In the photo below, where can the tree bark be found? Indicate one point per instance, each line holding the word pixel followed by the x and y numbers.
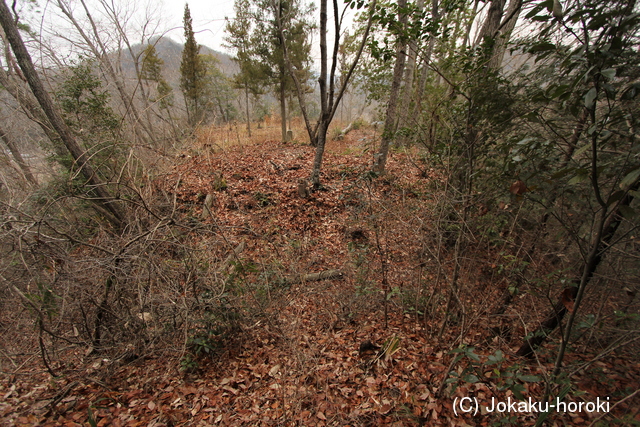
pixel 246 95
pixel 426 60
pixel 380 158
pixel 329 101
pixel 283 107
pixel 321 141
pixel 503 33
pixel 17 157
pixel 31 108
pixel 104 199
pixel 491 24
pixel 321 136
pixel 409 72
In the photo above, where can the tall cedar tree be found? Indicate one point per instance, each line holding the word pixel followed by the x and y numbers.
pixel 192 72
pixel 280 23
pixel 251 76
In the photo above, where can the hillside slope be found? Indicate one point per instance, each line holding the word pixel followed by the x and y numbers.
pixel 360 349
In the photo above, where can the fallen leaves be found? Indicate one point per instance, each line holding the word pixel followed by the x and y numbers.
pixel 307 360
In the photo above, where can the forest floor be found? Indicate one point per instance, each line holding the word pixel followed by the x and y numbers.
pixel 368 347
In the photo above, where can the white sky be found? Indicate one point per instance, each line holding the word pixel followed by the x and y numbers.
pixel 158 17
pixel 208 20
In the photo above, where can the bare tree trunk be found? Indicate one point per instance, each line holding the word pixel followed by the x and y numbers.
pixel 104 199
pixel 426 60
pixel 503 33
pixel 31 108
pixel 329 100
pixel 467 34
pixel 324 107
pixel 17 157
pixel 321 141
pixel 283 108
pixel 246 96
pixel 491 24
pixel 380 158
pixel 409 72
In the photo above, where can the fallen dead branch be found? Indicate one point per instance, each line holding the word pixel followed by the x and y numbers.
pixel 313 277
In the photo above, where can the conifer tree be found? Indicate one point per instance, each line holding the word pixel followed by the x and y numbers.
pixel 293 17
pixel 152 72
pixel 192 72
pixel 252 75
pixel 255 35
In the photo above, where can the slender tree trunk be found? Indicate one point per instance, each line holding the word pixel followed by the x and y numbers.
pixel 283 107
pixel 31 108
pixel 246 96
pixel 317 160
pixel 467 33
pixel 503 33
pixel 380 158
pixel 17 157
pixel 104 199
pixel 409 73
pixel 426 60
pixel 491 24
pixel 328 102
pixel 321 136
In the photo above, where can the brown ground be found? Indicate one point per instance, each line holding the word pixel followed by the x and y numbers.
pixel 362 350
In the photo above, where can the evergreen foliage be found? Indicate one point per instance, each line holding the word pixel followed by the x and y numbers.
pixel 152 72
pixel 87 112
pixel 255 36
pixel 192 73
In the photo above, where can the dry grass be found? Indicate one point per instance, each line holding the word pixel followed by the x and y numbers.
pixel 223 137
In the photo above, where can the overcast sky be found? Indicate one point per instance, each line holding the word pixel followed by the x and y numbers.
pixel 157 17
pixel 208 20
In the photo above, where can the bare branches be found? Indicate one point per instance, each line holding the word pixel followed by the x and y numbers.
pixel 26 64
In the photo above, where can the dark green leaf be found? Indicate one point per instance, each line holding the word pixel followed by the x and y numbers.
pixel 630 179
pixel 615 197
pixel 561 173
pixel 581 176
pixel 581 150
pixel 609 73
pixel 471 378
pixel 529 378
pixel 559 91
pixel 628 212
pixel 472 355
pixel 590 97
pixel 542 47
pixel 537 9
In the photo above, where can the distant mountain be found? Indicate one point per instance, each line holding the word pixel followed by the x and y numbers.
pixel 170 52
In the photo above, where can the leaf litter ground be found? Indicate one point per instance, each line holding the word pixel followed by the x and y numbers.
pixel 299 361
